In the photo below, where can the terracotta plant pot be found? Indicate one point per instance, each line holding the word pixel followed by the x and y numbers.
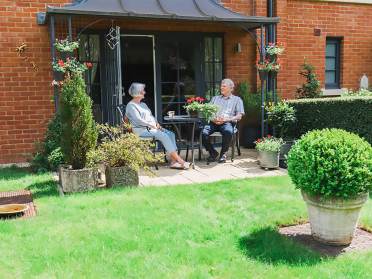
pixel 333 221
pixel 121 176
pixel 268 159
pixel 77 180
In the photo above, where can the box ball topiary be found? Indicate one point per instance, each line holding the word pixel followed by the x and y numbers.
pixel 331 163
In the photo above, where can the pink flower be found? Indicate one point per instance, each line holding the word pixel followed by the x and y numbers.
pixel 61 63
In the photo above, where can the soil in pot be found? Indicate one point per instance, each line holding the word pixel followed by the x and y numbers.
pixel 333 221
pixel 121 176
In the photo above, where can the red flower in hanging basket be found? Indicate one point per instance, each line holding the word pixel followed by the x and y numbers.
pixel 61 63
pixel 89 65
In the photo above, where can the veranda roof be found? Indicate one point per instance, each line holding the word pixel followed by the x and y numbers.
pixel 188 10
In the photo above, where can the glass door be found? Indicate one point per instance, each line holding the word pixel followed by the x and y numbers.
pixel 179 73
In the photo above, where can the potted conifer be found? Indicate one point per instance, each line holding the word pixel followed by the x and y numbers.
pixel 79 134
pixel 333 170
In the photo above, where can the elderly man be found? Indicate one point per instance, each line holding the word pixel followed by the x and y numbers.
pixel 230 111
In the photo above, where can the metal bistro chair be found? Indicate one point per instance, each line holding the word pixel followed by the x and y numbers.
pixel 234 142
pixel 124 118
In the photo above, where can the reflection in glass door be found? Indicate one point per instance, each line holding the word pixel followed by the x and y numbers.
pixel 178 74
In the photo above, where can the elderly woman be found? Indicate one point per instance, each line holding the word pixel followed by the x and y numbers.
pixel 230 110
pixel 145 125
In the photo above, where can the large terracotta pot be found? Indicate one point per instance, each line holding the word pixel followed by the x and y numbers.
pixel 121 176
pixel 268 159
pixel 77 180
pixel 333 221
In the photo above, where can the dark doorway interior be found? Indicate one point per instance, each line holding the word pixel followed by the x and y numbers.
pixel 138 66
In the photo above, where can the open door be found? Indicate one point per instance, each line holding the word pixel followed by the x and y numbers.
pixel 113 92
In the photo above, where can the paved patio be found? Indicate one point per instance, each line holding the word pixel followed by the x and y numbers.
pixel 244 166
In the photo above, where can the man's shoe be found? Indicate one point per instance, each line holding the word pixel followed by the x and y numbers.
pixel 212 157
pixel 222 159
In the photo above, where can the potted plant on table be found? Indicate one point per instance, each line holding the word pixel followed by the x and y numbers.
pixel 123 156
pixel 78 130
pixel 281 116
pixel 268 151
pixel 197 107
pixel 333 170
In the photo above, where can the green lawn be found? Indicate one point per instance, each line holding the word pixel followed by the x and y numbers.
pixel 219 230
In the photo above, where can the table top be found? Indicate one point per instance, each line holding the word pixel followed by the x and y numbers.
pixel 182 118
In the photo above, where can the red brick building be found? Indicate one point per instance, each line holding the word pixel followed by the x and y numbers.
pixel 175 56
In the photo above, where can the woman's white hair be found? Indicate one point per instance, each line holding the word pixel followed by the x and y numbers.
pixel 136 88
pixel 229 83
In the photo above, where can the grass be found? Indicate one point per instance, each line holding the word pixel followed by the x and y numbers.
pixel 220 230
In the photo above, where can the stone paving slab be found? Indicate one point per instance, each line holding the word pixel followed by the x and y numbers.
pixel 243 167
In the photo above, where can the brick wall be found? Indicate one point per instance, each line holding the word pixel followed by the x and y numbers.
pixel 336 19
pixel 25 94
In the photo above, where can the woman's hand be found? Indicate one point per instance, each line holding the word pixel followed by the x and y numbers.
pixel 158 126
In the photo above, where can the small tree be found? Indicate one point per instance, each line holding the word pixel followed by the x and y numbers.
pixel 79 133
pixel 311 88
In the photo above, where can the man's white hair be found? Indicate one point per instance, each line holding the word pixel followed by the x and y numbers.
pixel 136 88
pixel 229 83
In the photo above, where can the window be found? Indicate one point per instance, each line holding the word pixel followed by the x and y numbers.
pixel 332 65
pixel 90 52
pixel 213 65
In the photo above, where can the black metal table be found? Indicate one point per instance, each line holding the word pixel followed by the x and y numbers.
pixel 184 120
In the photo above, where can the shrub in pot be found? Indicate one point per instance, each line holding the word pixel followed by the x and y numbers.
pixel 78 130
pixel 333 170
pixel 281 116
pixel 268 151
pixel 123 156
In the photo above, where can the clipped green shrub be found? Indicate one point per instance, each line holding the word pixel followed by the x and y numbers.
pixel 79 133
pixel 353 114
pixel 331 163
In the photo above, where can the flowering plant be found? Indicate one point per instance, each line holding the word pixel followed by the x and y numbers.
pixel 66 45
pixel 275 49
pixel 70 65
pixel 269 143
pixel 196 104
pixel 268 66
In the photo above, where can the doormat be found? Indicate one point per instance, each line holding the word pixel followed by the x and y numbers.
pixel 22 197
pixel 302 234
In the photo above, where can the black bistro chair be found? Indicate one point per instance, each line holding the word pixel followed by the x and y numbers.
pixel 234 142
pixel 121 109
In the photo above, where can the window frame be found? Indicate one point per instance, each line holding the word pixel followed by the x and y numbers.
pixel 337 42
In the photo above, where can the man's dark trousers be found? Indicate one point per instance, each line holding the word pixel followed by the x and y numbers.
pixel 227 131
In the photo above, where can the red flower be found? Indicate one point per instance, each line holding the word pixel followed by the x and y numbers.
pixel 268 136
pixel 258 140
pixel 61 63
pixel 89 65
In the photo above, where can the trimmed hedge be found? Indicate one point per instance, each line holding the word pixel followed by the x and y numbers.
pixel 353 114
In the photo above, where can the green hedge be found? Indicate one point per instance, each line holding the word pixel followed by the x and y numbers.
pixel 353 114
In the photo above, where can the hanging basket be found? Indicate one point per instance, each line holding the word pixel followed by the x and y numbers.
pixel 263 75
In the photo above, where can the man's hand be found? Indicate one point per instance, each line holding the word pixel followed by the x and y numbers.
pixel 218 121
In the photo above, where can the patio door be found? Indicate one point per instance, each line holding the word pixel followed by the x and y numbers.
pixel 180 71
pixel 138 65
pixel 112 92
